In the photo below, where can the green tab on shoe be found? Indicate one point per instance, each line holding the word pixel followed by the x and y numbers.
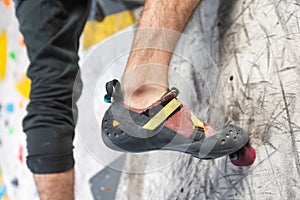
pixel 107 98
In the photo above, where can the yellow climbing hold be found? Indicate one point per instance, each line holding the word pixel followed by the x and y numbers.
pixel 95 32
pixel 23 87
pixel 3 54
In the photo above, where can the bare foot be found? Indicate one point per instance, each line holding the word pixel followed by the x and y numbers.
pixel 144 96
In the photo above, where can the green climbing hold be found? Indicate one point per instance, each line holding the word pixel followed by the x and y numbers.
pixel 12 55
pixel 11 131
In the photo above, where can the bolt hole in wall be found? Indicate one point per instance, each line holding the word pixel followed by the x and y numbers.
pixel 230 78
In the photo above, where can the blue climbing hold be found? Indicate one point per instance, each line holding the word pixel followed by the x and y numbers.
pixel 10 108
pixel 2 191
pixel 15 182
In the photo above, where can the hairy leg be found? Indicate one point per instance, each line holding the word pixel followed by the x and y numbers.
pixel 58 186
pixel 145 78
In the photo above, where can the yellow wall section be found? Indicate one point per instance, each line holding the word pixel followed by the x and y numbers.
pixel 95 32
pixel 23 87
pixel 3 54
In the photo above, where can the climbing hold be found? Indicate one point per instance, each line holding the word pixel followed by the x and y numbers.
pixel 10 108
pixel 2 191
pixel 6 2
pixel 20 154
pixel 12 55
pixel 21 41
pixel 21 104
pixel 23 86
pixel 11 130
pixel 6 122
pixel 3 54
pixel 15 182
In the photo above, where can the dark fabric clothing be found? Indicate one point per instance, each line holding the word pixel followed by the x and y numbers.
pixel 51 30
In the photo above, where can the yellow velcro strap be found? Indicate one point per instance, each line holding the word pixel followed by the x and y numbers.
pixel 163 114
pixel 197 122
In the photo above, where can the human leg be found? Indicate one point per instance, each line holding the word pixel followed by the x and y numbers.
pixel 51 32
pixel 145 115
pixel 160 26
pixel 55 185
pixel 145 79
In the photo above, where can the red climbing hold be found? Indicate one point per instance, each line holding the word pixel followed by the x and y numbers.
pixel 244 157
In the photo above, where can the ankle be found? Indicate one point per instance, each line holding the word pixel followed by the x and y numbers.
pixel 143 96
